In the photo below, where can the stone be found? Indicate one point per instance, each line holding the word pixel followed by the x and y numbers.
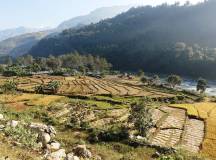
pixel 82 151
pixel 13 123
pixel 54 146
pixel 1 117
pixel 58 155
pixel 2 127
pixel 38 127
pixel 70 156
pixel 97 157
pixel 51 130
pixel 45 138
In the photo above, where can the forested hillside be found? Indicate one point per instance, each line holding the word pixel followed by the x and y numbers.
pixel 164 39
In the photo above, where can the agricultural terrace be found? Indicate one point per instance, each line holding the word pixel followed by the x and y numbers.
pixel 207 112
pixel 173 127
pixel 85 86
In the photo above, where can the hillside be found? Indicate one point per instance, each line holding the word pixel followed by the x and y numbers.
pixel 21 44
pixel 147 38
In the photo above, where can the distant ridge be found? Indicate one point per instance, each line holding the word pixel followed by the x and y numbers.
pixel 16 42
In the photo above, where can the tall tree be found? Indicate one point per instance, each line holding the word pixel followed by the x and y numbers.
pixel 174 80
pixel 201 85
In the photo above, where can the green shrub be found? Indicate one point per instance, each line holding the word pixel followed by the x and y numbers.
pixel 114 134
pixel 141 117
pixel 10 86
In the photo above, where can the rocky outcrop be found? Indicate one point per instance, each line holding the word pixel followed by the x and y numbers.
pixel 46 138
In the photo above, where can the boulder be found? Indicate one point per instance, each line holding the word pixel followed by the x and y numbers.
pixel 58 155
pixel 51 130
pixel 70 156
pixel 82 151
pixel 13 123
pixel 45 138
pixel 2 127
pixel 53 146
pixel 38 127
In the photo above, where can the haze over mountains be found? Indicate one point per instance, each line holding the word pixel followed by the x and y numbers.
pixel 8 33
pixel 16 42
pixel 93 17
pixel 147 38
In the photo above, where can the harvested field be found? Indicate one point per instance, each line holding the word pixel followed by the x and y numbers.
pixel 207 112
pixel 175 129
pixel 29 99
pixel 86 86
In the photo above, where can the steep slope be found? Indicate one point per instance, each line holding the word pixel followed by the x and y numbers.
pixel 93 17
pixel 146 38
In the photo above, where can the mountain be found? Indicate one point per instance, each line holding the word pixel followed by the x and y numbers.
pixel 8 33
pixel 21 41
pixel 93 17
pixel 164 39
pixel 21 44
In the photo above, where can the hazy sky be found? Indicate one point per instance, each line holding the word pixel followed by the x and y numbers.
pixel 49 13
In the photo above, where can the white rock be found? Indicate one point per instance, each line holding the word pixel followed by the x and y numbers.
pixel 45 138
pixel 38 127
pixel 13 123
pixel 70 156
pixel 75 158
pixel 2 127
pixel 140 138
pixel 58 155
pixel 1 117
pixel 54 146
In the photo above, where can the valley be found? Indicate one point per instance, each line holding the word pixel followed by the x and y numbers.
pixel 105 105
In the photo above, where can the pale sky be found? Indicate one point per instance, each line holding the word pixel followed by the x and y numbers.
pixel 49 13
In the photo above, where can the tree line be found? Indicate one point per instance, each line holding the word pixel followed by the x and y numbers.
pixel 68 63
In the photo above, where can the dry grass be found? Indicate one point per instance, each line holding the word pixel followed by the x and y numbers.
pixel 206 111
pixel 87 86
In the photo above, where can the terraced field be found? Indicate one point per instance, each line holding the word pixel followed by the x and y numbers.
pixel 207 112
pixel 86 86
pixel 173 129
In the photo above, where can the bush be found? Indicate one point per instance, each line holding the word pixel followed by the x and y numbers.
pixel 116 133
pixel 50 88
pixel 141 117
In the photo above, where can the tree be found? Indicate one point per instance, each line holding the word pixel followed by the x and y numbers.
pixel 2 68
pixel 54 63
pixel 8 61
pixel 201 85
pixel 28 60
pixel 155 80
pixel 144 79
pixel 174 80
pixel 141 117
pixel 140 73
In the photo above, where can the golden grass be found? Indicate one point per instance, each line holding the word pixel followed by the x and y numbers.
pixel 46 100
pixel 191 110
pixel 31 99
pixel 206 111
